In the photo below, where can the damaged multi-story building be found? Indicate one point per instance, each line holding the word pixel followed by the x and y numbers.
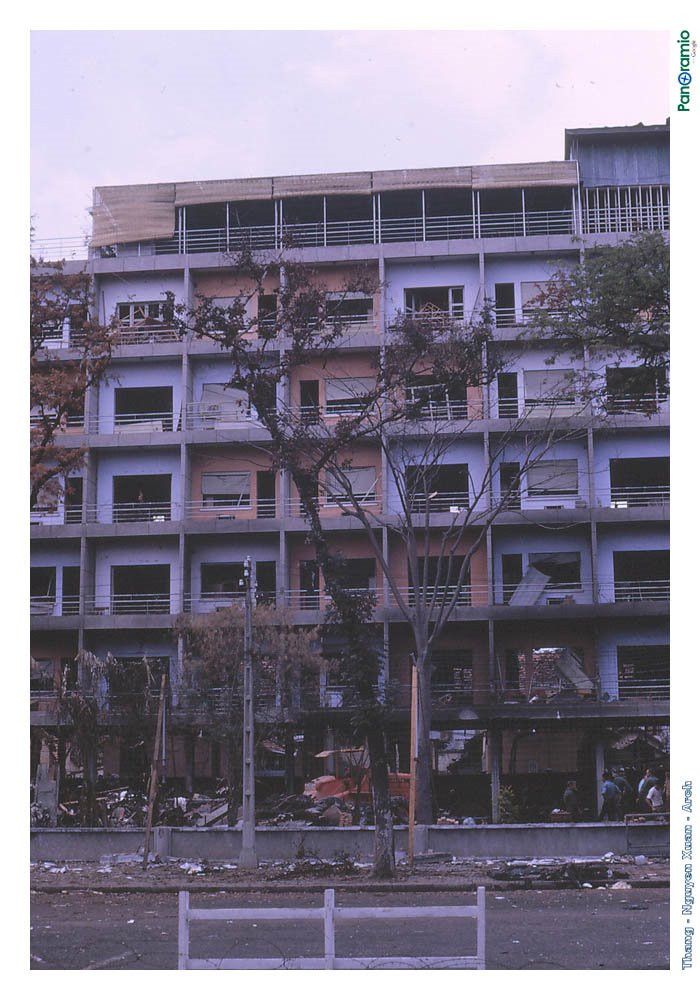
pixel 534 683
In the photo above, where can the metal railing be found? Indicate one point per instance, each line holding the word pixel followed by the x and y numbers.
pixel 508 317
pixel 622 497
pixel 639 590
pixel 60 248
pixel 147 334
pixel 54 606
pixel 218 416
pixel 644 404
pixel 207 602
pixel 625 219
pixel 134 423
pixel 70 423
pixel 128 604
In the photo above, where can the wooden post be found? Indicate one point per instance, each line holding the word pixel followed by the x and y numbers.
pixel 153 782
pixel 414 762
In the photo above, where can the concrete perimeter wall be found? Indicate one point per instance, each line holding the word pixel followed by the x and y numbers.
pixel 545 840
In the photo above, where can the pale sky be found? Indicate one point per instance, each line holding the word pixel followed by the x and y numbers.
pixel 145 106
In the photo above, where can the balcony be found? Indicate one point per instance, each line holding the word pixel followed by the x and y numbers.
pixel 639 590
pixel 128 604
pixel 54 606
pixel 624 497
pixel 219 416
pixel 160 422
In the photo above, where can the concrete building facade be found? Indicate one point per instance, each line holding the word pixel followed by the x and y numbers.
pixel 177 489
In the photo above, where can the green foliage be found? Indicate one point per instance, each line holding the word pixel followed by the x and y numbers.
pixel 614 303
pixel 508 809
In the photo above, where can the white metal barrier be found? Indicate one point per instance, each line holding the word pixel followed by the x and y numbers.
pixel 332 915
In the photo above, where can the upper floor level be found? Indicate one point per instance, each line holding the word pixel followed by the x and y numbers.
pixel 612 180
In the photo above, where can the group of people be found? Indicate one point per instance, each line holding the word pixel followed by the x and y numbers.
pixel 619 797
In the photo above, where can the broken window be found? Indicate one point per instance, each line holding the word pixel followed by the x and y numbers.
pixel 643 671
pixel 452 677
pixel 435 302
pixel 141 314
pixel 140 590
pixel 504 303
pixel 512 568
pixel 638 482
pixel 41 675
pixel 222 579
pixel 266 504
pixel 436 401
pixel 562 568
pixel 308 584
pixel 345 484
pixel 508 395
pixel 509 474
pixel 267 314
pixel 437 488
pixel 553 479
pixel 70 603
pixel 441 579
pixel 360 574
pixel 641 576
pixel 348 395
pixel 548 391
pixel 309 401
pixel 73 500
pixel 141 498
pixel 144 409
pixel 350 307
pixel 225 490
pixel 137 674
pixel 635 390
pixel 42 588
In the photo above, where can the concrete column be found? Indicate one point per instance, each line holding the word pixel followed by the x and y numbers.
pixel 599 767
pixel 495 743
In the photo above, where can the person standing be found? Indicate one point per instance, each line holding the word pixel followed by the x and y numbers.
pixel 643 789
pixel 655 797
pixel 626 803
pixel 611 798
pixel 570 799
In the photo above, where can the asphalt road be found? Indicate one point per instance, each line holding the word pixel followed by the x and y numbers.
pixel 548 929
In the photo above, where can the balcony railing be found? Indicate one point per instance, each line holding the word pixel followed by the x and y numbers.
pixel 146 334
pixel 134 423
pixel 128 604
pixel 642 590
pixel 207 602
pixel 622 497
pixel 218 416
pixel 66 605
pixel 646 404
pixel 626 219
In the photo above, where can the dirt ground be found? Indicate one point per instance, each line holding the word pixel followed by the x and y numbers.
pixel 125 873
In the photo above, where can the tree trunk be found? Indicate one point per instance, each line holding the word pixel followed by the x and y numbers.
pixel 424 792
pixel 384 862
pixel 289 749
pixel 189 763
pixel 88 811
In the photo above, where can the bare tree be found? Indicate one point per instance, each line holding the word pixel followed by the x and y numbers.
pixel 284 659
pixel 427 387
pixel 61 316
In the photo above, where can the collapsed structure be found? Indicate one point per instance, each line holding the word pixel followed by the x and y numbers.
pixel 558 645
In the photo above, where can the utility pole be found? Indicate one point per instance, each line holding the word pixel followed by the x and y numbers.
pixel 414 763
pixel 248 857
